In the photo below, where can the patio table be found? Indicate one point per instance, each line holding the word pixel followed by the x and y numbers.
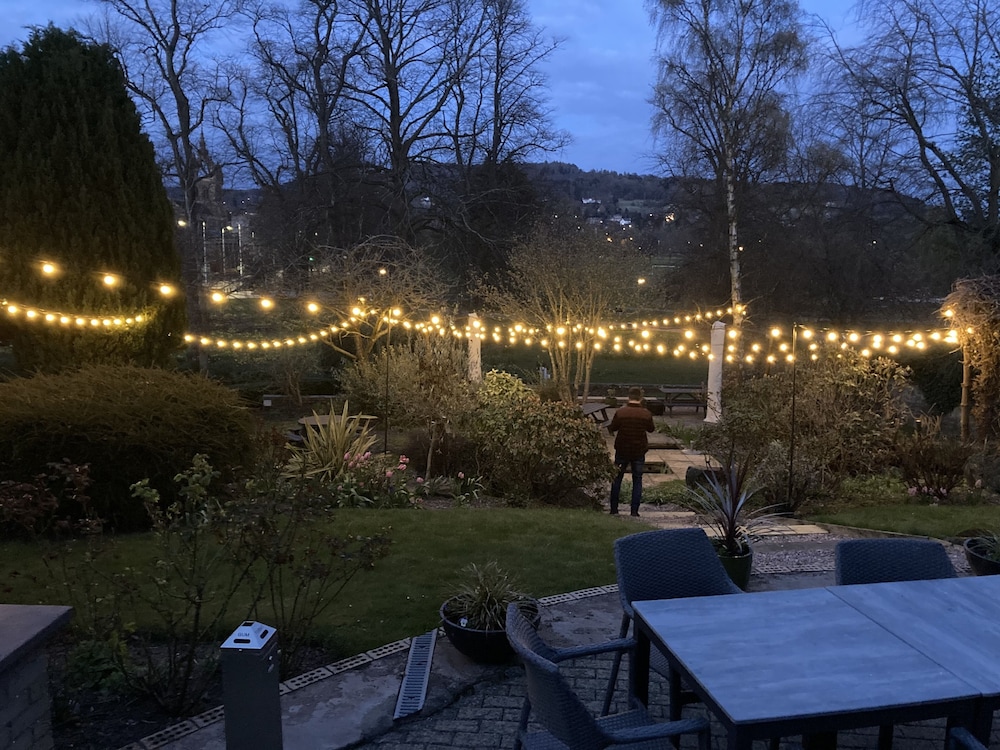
pixel 781 663
pixel 955 621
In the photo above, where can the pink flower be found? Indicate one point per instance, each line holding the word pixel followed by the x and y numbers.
pixel 403 460
pixel 420 480
pixel 367 455
pixel 388 473
pixel 401 467
pixel 461 475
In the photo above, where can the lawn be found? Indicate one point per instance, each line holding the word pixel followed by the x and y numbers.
pixel 549 551
pixel 937 521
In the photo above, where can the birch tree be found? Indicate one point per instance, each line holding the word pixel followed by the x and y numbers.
pixel 720 98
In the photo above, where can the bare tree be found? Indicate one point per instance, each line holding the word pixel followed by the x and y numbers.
pixel 499 112
pixel 929 69
pixel 565 283
pixel 403 80
pixel 289 122
pixel 164 48
pixel 371 288
pixel 724 66
pixel 497 119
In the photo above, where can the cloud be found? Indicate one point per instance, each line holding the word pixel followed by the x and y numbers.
pixel 600 79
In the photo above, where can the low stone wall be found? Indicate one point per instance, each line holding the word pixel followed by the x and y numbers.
pixel 25 708
pixel 25 705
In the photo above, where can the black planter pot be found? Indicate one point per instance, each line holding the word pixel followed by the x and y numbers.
pixel 738 567
pixel 486 646
pixel 980 564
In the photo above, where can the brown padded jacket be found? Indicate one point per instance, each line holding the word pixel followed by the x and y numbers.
pixel 630 425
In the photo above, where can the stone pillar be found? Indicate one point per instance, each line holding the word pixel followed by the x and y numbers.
pixel 713 403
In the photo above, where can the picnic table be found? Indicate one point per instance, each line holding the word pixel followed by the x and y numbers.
pixel 813 661
pixel 597 411
pixel 684 395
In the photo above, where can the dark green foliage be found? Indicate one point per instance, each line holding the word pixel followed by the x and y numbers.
pixel 52 504
pixel 939 378
pixel 932 464
pixel 531 448
pixel 80 188
pixel 982 470
pixel 128 423
pixel 848 411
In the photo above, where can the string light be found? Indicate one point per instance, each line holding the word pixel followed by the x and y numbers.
pixel 654 334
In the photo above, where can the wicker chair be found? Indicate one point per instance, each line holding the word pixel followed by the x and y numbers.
pixel 567 722
pixel 885 560
pixel 665 564
pixel 533 641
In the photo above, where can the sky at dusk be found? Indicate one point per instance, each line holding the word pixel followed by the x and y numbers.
pixel 600 78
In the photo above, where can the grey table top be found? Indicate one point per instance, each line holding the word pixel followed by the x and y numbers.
pixel 790 662
pixel 955 621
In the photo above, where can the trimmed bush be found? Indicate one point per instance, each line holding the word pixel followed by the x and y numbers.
pixel 535 448
pixel 128 423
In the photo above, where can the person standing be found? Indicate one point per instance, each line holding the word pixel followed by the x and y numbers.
pixel 629 425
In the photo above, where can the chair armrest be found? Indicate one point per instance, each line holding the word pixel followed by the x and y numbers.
pixel 619 644
pixel 960 737
pixel 657 731
pixel 734 589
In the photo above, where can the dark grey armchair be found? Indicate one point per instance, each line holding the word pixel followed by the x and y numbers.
pixel 567 722
pixel 665 564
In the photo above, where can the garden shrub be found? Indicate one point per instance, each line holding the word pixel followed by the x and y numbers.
pixel 771 475
pixel 931 464
pixel 450 453
pixel 534 448
pixel 427 382
pixel 848 412
pixel 128 423
pixel 327 448
pixel 263 547
pixel 982 470
pixel 938 375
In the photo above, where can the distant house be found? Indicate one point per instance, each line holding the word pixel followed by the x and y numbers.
pixel 589 201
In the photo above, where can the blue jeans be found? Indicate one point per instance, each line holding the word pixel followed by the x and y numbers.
pixel 635 465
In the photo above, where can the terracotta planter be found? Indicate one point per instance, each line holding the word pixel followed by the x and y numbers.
pixel 738 567
pixel 980 564
pixel 485 646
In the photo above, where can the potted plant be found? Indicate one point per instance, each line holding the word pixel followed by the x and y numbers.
pixel 474 616
pixel 983 553
pixel 721 496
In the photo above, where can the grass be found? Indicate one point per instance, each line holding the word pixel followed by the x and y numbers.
pixel 937 521
pixel 881 503
pixel 548 551
pixel 608 368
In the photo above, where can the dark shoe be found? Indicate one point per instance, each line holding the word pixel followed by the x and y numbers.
pixel 635 514
pixel 614 512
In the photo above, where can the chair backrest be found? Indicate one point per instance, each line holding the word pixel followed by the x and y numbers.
pixel 885 560
pixel 669 564
pixel 555 705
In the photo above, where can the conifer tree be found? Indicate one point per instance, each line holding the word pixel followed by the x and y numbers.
pixel 80 189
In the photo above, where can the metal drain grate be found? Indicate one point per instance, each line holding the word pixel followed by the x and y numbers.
pixel 413 689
